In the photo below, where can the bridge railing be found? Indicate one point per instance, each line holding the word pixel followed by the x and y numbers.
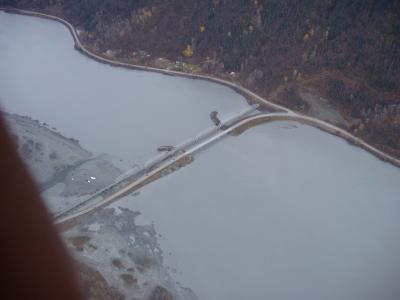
pixel 214 129
pixel 187 144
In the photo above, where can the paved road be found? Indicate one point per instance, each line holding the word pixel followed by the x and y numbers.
pixel 264 117
pixel 135 173
pixel 287 113
pixel 79 46
pixel 190 149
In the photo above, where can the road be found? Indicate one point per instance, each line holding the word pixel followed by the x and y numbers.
pixel 80 47
pixel 284 113
pixel 153 163
pixel 264 117
pixel 236 87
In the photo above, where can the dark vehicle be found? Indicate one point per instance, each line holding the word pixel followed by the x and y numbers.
pixel 214 118
pixel 165 148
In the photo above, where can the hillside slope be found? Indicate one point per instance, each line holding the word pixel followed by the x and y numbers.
pixel 344 52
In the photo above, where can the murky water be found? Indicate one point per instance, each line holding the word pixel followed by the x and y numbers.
pixel 284 211
pixel 110 110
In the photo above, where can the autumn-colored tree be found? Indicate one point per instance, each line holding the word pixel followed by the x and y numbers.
pixel 188 52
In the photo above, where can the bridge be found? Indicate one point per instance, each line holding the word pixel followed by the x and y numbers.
pixel 282 112
pixel 145 176
pixel 199 141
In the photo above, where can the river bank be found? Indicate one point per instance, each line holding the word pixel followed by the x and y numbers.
pixel 324 126
pixel 249 95
pixel 184 159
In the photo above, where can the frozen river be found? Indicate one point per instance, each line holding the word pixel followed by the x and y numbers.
pixel 282 212
pixel 109 110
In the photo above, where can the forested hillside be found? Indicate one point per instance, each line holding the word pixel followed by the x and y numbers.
pixel 346 52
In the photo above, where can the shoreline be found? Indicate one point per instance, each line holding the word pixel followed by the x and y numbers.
pixel 247 94
pixel 184 158
pixel 321 125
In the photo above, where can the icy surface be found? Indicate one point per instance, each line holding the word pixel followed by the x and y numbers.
pixel 283 211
